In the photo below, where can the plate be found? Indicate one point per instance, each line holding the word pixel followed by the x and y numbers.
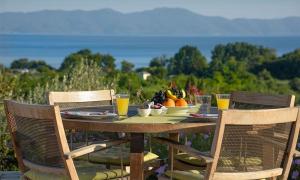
pixel 194 108
pixel 204 118
pixel 204 115
pixel 178 110
pixel 87 115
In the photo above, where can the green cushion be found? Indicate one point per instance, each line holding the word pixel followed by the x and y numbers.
pixel 113 156
pixel 36 175
pixel 249 161
pixel 85 170
pixel 184 175
pixel 184 157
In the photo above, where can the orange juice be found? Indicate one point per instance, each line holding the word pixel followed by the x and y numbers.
pixel 223 103
pixel 122 105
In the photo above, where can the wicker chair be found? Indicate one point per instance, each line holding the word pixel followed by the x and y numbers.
pixel 104 98
pixel 239 155
pixel 250 100
pixel 238 100
pixel 41 147
pixel 79 99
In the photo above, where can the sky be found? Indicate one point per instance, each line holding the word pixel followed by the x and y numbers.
pixel 226 8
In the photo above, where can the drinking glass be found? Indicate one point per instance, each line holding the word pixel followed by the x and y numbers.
pixel 122 101
pixel 204 103
pixel 223 101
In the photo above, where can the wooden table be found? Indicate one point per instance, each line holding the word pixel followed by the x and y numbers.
pixel 152 124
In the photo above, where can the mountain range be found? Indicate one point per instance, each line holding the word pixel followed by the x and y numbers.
pixel 156 22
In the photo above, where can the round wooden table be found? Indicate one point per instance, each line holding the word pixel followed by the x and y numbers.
pixel 137 127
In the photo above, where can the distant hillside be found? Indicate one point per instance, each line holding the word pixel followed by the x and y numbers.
pixel 161 21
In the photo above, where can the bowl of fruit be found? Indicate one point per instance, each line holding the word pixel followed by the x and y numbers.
pixel 144 110
pixel 173 100
pixel 158 109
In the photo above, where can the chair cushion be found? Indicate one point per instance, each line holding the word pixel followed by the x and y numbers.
pixel 184 175
pixel 186 158
pixel 85 170
pixel 112 156
pixel 249 161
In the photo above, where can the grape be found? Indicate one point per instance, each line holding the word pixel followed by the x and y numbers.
pixel 159 97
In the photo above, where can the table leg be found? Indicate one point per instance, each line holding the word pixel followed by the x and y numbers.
pixel 174 137
pixel 137 156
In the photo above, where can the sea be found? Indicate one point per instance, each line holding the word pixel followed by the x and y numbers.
pixel 138 50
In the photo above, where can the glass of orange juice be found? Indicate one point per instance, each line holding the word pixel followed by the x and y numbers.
pixel 122 101
pixel 223 101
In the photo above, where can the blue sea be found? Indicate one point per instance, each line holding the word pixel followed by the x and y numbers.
pixel 138 50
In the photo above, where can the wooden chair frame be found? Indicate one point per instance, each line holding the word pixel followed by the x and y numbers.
pixel 50 112
pixel 81 96
pixel 247 117
pixel 56 97
pixel 90 96
pixel 279 101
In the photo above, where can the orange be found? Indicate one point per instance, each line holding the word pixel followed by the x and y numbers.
pixel 181 102
pixel 169 103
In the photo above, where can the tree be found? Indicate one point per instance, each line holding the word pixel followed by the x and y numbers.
pixel 129 82
pixel 126 66
pixel 285 67
pixel 295 84
pixel 106 61
pixel 24 63
pixel 160 61
pixel 188 60
pixel 157 66
pixel 159 72
pixel 252 55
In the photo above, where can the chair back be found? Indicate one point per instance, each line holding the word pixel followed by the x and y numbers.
pixel 250 100
pixel 75 99
pixel 254 144
pixel 38 137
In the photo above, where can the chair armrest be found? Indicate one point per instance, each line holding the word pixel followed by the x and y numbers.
pixel 94 147
pixel 297 153
pixel 191 151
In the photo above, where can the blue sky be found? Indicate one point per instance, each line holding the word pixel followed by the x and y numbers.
pixel 225 8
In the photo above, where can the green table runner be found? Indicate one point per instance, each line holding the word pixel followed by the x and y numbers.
pixel 154 119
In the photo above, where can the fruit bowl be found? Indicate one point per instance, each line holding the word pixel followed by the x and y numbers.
pixel 194 108
pixel 156 112
pixel 144 112
pixel 178 110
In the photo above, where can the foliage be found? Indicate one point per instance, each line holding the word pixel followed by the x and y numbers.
pixel 188 60
pixel 126 66
pixel 285 67
pixel 160 61
pixel 26 64
pixel 251 55
pixel 32 88
pixel 106 61
pixel 234 66
pixel 295 84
